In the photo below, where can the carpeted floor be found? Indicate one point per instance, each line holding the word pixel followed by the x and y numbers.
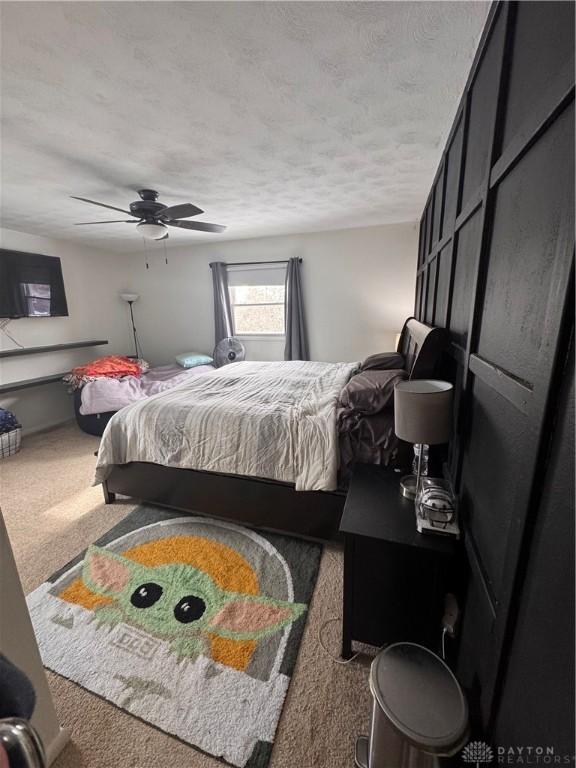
pixel 52 513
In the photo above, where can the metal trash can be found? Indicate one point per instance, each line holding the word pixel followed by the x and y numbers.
pixel 419 710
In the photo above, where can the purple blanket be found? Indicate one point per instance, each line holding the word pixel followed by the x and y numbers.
pixel 108 394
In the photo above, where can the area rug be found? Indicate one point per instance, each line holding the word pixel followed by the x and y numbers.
pixel 190 624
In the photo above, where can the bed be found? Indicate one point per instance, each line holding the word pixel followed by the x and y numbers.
pixel 261 437
pixel 96 401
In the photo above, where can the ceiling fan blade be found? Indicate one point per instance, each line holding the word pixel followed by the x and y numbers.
pixel 102 205
pixel 200 226
pixel 182 211
pixel 115 221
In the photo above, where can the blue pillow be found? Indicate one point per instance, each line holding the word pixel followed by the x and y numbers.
pixel 192 359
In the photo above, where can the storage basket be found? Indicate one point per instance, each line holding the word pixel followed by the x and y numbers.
pixel 10 442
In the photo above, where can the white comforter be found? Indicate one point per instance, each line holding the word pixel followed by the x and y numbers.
pixel 270 420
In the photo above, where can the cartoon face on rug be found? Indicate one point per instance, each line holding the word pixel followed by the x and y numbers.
pixel 179 603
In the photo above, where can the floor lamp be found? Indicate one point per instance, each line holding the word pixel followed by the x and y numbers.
pixel 130 298
pixel 423 416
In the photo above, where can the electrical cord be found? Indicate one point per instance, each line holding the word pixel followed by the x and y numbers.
pixel 326 651
pixel 332 558
pixel 343 662
pixel 3 326
pixel 335 659
pixel 444 631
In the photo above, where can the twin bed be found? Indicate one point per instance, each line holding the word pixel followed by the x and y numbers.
pixel 252 442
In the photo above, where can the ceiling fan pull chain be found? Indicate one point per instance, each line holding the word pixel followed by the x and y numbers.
pixel 165 252
pixel 146 254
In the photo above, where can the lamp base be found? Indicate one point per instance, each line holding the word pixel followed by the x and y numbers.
pixel 408 486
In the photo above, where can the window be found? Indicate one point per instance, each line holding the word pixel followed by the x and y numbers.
pixel 257 299
pixel 257 309
pixel 37 298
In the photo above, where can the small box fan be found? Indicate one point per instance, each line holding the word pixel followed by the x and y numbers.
pixel 229 350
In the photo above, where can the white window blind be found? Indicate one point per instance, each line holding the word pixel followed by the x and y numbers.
pixel 257 299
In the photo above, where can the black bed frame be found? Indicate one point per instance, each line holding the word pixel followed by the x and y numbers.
pixel 257 502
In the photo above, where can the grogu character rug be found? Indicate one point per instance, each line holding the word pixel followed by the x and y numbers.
pixel 190 624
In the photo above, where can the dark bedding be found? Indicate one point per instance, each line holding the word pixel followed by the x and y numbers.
pixel 383 361
pixel 365 419
pixel 369 392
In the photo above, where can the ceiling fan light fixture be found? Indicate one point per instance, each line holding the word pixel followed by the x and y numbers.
pixel 153 219
pixel 152 231
pixel 128 297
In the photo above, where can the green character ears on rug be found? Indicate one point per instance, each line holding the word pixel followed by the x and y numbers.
pixel 178 601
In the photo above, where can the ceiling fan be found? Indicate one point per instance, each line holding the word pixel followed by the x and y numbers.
pixel 152 218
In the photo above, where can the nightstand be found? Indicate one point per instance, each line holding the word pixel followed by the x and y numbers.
pixel 394 577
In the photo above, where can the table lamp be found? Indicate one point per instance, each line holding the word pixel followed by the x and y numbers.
pixel 423 416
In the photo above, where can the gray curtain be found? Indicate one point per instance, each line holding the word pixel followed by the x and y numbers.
pixel 296 337
pixel 223 324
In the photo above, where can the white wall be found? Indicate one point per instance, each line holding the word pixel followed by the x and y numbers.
pixel 358 290
pixel 92 280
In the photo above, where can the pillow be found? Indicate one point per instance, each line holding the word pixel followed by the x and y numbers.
pixel 370 392
pixel 192 359
pixel 383 361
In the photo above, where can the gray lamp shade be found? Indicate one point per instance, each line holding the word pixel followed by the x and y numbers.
pixel 423 411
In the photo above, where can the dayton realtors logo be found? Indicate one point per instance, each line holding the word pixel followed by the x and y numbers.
pixel 479 753
pixel 532 755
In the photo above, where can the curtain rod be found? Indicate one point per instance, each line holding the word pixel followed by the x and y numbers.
pixel 252 263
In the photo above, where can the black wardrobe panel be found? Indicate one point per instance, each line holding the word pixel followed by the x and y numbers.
pixel 465 255
pixel 497 459
pixel 421 241
pixel 437 222
pixel 443 286
pixel 429 226
pixel 474 661
pixel 452 175
pixel 430 290
pixel 423 298
pixel 541 667
pixel 543 49
pixel 418 296
pixel 533 227
pixel 482 111
pixel 455 375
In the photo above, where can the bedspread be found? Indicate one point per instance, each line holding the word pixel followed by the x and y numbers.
pixel 107 394
pixel 271 420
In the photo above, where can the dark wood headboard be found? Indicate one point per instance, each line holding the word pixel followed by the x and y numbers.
pixel 421 345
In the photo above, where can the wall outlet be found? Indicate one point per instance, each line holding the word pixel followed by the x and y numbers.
pixel 451 614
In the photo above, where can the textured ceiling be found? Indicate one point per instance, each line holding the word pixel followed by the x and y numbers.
pixel 273 117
